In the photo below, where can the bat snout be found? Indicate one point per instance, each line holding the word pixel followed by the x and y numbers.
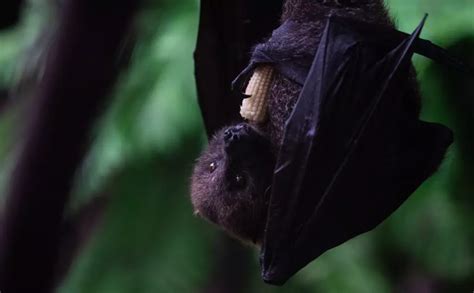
pixel 244 146
pixel 236 133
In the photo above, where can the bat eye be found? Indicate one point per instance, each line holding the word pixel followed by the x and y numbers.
pixel 239 181
pixel 212 167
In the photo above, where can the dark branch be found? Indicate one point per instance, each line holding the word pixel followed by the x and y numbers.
pixel 9 12
pixel 3 99
pixel 78 229
pixel 78 77
pixel 231 268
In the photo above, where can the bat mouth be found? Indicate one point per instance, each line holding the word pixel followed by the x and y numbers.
pixel 239 132
pixel 242 139
pixel 248 153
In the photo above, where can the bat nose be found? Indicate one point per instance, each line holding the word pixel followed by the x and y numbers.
pixel 235 133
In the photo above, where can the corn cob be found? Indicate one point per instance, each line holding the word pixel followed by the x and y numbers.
pixel 254 108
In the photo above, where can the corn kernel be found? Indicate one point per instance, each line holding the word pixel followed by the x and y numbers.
pixel 254 108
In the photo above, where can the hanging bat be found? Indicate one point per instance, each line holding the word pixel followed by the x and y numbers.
pixel 340 147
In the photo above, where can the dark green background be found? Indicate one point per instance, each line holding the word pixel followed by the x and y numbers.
pixel 145 145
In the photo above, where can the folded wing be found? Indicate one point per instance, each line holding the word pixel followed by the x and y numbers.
pixel 351 152
pixel 227 31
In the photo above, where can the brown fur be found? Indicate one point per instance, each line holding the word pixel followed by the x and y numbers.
pixel 243 212
pixel 238 208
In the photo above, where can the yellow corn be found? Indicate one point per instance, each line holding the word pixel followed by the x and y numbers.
pixel 254 108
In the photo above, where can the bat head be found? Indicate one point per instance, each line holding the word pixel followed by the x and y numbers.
pixel 231 179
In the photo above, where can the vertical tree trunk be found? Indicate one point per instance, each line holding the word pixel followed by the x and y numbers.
pixel 81 69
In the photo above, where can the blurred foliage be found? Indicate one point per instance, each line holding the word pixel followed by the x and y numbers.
pixel 145 144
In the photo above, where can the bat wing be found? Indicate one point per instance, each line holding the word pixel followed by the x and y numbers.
pixel 350 154
pixel 227 31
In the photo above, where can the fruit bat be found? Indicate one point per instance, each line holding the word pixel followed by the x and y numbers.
pixel 343 146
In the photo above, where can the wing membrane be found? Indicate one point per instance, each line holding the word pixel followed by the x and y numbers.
pixel 350 153
pixel 227 31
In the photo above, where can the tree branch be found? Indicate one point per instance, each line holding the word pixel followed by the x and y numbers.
pixel 78 76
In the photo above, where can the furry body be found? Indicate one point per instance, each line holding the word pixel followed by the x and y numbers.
pixel 242 211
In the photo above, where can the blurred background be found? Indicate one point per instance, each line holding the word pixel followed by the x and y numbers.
pixel 145 144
